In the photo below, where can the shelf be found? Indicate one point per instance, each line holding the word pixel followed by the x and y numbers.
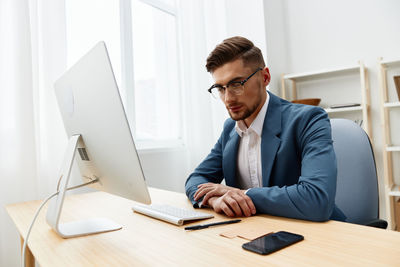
pixel 395 191
pixel 320 74
pixel 392 189
pixel 336 110
pixel 393 148
pixel 339 75
pixel 391 63
pixel 392 105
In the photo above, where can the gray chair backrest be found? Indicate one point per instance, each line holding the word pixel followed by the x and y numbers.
pixel 357 183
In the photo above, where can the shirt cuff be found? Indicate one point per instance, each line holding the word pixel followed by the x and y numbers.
pixel 198 204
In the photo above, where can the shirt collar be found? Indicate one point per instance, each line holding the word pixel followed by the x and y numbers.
pixel 257 124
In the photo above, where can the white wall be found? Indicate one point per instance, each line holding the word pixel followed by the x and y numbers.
pixel 311 35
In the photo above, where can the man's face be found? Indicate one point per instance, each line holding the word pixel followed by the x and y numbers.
pixel 247 105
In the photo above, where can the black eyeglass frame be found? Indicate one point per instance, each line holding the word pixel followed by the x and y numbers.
pixel 232 82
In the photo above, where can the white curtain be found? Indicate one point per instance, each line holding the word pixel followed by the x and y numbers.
pixel 32 138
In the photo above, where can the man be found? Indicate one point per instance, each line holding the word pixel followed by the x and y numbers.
pixel 276 157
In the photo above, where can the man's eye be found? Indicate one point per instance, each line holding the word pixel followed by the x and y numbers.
pixel 235 85
pixel 221 89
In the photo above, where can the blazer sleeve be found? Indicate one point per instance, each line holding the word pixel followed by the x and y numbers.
pixel 312 198
pixel 209 170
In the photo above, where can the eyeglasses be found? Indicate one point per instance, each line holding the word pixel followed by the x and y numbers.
pixel 234 87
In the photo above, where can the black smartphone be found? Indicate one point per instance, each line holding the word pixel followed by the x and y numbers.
pixel 270 243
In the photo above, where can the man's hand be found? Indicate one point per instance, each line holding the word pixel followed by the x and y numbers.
pixel 211 190
pixel 233 203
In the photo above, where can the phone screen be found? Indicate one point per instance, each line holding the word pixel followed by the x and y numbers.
pixel 272 242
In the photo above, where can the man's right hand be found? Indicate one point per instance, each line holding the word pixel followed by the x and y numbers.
pixel 233 203
pixel 208 190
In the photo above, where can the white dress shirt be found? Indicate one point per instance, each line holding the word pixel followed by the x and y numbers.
pixel 249 170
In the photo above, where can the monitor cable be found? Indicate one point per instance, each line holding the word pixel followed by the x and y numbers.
pixel 41 206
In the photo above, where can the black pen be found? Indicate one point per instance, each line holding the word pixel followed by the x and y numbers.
pixel 202 226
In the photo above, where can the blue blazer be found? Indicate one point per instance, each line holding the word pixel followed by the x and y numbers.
pixel 298 163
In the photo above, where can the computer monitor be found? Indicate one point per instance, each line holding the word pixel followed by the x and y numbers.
pixel 100 140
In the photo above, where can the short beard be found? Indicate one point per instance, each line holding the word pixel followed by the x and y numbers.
pixel 247 113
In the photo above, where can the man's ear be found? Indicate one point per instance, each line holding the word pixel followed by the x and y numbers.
pixel 267 76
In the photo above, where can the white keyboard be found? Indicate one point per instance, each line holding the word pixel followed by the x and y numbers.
pixel 170 214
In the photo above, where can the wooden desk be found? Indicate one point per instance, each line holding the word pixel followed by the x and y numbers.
pixel 145 241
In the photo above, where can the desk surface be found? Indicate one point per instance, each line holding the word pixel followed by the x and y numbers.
pixel 147 241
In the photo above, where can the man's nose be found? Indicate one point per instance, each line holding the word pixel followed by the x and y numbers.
pixel 229 96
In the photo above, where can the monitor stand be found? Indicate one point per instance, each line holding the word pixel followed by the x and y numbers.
pixel 75 228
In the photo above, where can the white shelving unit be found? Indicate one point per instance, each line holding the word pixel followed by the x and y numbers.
pixel 391 105
pixel 319 74
pixel 391 189
pixel 394 191
pixel 336 72
pixel 336 110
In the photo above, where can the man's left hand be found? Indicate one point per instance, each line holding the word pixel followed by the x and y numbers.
pixel 233 203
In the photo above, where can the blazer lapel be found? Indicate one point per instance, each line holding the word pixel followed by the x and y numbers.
pixel 270 141
pixel 230 158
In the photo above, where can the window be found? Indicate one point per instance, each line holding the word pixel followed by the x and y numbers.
pixel 142 39
pixel 155 65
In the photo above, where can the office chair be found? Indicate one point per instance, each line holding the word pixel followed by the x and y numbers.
pixel 357 182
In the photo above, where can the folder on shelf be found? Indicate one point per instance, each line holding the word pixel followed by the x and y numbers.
pixel 397 83
pixel 347 105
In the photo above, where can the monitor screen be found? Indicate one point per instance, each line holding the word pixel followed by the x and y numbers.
pixel 91 106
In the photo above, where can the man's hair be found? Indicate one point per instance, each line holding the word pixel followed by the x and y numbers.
pixel 234 48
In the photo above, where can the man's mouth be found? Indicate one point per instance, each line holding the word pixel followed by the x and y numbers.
pixel 234 108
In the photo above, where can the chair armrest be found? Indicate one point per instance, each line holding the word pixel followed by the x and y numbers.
pixel 378 223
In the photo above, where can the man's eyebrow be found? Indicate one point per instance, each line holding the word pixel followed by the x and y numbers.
pixel 236 79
